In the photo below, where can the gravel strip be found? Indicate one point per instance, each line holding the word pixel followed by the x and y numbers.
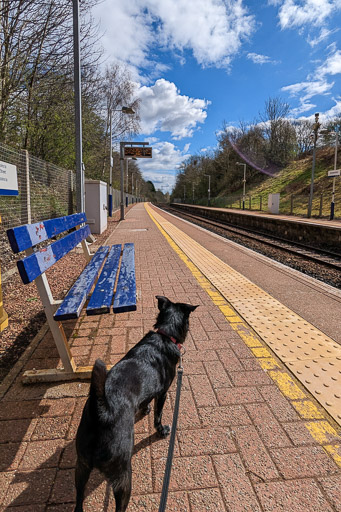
pixel 23 305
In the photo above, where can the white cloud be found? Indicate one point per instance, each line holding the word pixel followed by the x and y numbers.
pixel 161 169
pixel 294 13
pixel 310 89
pixel 334 111
pixel 212 29
pixel 324 34
pixel 307 90
pixel 260 59
pixel 332 66
pixel 164 108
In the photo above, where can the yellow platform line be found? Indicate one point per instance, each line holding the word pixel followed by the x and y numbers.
pixel 322 431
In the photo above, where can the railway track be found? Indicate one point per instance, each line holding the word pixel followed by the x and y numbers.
pixel 293 254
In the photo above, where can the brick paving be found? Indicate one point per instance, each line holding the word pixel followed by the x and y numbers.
pixel 240 445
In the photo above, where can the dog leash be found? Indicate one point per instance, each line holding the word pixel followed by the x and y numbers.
pixel 166 478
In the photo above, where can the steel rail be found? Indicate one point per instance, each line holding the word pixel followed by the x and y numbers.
pixel 296 248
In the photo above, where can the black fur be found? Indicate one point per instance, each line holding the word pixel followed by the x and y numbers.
pixel 105 437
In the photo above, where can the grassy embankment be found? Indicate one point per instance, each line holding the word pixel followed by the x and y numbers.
pixel 293 184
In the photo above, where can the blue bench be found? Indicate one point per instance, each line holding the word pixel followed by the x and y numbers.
pixel 115 288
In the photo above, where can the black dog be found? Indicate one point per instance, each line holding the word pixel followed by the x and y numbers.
pixel 105 437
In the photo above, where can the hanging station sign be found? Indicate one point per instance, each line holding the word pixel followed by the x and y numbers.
pixel 137 152
pixel 8 180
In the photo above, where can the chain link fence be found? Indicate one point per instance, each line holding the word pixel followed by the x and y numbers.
pixel 45 191
pixel 293 204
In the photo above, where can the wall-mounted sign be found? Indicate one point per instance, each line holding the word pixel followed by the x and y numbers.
pixel 8 180
pixel 137 152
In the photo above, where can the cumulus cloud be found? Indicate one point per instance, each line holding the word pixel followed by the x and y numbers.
pixel 164 108
pixel 213 30
pixel 161 169
pixel 260 59
pixel 297 13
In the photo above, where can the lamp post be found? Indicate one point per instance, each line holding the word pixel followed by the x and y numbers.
pixel 184 193
pixel 78 110
pixel 193 192
pixel 316 127
pixel 209 188
pixel 244 182
pixel 125 110
pixel 332 204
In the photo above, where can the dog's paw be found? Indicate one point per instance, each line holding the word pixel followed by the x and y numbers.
pixel 163 430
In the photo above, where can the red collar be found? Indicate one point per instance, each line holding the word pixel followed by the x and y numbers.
pixel 179 345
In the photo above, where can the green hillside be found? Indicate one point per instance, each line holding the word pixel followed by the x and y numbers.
pixel 293 184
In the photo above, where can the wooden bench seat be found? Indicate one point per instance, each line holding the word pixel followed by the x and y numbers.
pixel 115 271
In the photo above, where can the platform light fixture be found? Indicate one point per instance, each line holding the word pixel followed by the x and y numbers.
pixel 124 110
pixel 209 188
pixel 244 182
pixel 314 135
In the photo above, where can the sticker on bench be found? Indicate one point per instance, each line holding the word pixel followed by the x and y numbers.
pixel 75 299
pixel 27 236
pixel 37 233
pixel 38 262
pixel 101 298
pixel 125 296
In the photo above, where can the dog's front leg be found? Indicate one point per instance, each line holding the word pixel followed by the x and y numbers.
pixel 162 430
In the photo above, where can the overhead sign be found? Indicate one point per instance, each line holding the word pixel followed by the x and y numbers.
pixel 137 152
pixel 332 174
pixel 8 180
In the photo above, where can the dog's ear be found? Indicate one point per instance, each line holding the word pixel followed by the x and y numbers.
pixel 162 302
pixel 189 308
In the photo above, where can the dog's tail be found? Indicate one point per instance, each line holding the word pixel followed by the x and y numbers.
pixel 97 386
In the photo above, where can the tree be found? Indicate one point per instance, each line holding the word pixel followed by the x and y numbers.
pixel 36 41
pixel 278 132
pixel 304 130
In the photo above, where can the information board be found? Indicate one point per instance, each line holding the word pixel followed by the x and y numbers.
pixel 137 152
pixel 8 180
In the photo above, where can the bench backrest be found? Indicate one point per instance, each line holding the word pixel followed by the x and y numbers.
pixel 26 237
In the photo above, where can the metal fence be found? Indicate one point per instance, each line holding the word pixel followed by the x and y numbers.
pixel 45 191
pixel 290 205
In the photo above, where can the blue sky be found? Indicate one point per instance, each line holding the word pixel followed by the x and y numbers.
pixel 197 63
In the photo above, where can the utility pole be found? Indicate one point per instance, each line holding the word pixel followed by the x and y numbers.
pixel 332 205
pixel 209 188
pixel 316 127
pixel 122 144
pixel 244 183
pixel 78 110
pixel 110 171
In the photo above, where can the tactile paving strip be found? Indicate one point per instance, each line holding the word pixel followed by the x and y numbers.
pixel 312 356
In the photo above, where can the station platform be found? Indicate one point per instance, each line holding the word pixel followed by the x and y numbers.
pixel 335 223
pixel 254 434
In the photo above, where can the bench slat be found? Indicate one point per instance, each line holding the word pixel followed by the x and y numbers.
pixel 75 299
pixel 125 296
pixel 101 298
pixel 29 235
pixel 38 262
